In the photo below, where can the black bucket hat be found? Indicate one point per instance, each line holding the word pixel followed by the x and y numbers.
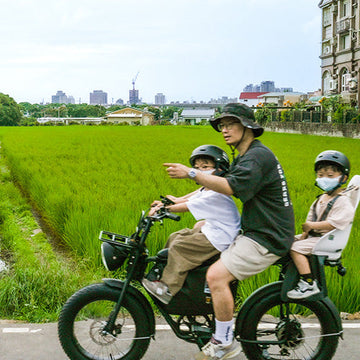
pixel 241 112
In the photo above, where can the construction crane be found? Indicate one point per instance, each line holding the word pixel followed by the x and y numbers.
pixel 134 79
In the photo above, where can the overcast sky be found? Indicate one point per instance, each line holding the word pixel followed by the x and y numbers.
pixel 186 49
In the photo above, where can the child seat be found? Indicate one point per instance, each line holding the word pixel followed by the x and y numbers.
pixel 333 243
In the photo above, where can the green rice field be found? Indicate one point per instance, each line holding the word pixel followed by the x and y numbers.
pixel 86 179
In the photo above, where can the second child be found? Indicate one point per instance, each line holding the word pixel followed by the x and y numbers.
pixel 332 210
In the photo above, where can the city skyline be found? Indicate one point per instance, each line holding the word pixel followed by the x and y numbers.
pixel 202 50
pixel 99 97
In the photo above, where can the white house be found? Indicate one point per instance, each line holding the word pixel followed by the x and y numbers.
pixel 196 116
pixel 130 116
pixel 250 98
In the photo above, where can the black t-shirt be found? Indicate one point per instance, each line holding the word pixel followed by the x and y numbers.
pixel 258 180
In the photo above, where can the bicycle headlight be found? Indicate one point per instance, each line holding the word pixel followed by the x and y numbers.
pixel 112 257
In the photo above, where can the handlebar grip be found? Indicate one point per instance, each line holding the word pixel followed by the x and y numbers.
pixel 173 216
pixel 166 201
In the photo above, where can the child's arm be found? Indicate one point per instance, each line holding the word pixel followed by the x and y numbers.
pixel 182 199
pixel 180 207
pixel 174 199
pixel 317 226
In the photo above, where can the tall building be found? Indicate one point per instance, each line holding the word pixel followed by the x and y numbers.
pixel 98 97
pixel 260 88
pixel 59 98
pixel 134 97
pixel 251 88
pixel 160 99
pixel 267 86
pixel 340 45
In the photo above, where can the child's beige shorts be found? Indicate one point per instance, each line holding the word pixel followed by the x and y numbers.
pixel 245 257
pixel 304 246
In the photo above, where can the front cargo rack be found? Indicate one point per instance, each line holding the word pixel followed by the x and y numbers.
pixel 113 238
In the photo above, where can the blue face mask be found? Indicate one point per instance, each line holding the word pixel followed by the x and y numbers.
pixel 328 184
pixel 210 172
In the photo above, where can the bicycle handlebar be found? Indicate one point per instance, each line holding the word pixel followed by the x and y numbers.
pixel 172 216
pixel 164 213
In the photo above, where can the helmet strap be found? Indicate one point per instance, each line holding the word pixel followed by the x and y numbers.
pixel 342 181
pixel 219 171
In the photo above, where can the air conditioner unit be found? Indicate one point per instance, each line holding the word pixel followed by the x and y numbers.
pixel 333 85
pixel 352 83
pixel 346 78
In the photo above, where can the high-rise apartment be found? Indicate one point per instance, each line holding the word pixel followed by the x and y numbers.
pixel 98 97
pixel 59 98
pixel 134 97
pixel 160 99
pixel 267 86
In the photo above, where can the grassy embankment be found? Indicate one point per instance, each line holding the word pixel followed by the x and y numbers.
pixel 85 179
pixel 38 280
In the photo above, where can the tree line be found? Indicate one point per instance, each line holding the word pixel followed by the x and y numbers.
pixel 25 113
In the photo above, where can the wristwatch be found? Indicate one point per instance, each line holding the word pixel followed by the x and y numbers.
pixel 192 173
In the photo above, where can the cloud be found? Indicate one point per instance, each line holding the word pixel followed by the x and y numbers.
pixel 206 48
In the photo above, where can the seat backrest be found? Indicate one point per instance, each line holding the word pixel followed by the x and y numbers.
pixel 354 194
pixel 333 243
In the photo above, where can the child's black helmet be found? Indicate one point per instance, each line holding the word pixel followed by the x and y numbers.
pixel 213 152
pixel 335 157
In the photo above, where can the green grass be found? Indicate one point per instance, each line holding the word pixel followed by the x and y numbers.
pixel 38 280
pixel 86 179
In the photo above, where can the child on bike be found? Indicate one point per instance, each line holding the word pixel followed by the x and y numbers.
pixel 219 225
pixel 331 210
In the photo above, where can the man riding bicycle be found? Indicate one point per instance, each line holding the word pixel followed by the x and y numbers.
pixel 257 179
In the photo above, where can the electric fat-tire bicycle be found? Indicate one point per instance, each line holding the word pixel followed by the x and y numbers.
pixel 114 320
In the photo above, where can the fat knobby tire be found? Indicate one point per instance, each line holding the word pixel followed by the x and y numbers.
pixel 99 292
pixel 326 347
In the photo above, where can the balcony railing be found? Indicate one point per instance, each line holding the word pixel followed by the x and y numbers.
pixel 342 26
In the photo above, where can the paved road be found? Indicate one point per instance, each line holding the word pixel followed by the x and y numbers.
pixel 39 342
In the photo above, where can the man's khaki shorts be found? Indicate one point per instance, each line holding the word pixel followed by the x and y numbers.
pixel 245 257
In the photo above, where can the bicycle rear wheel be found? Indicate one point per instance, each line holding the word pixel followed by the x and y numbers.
pixel 306 330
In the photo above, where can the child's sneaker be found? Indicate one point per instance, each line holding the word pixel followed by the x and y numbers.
pixel 215 350
pixel 303 290
pixel 158 289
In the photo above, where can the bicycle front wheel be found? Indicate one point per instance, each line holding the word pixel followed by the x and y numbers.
pixel 82 322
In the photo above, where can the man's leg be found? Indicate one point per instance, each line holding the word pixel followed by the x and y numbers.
pixel 243 258
pixel 222 344
pixel 219 278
